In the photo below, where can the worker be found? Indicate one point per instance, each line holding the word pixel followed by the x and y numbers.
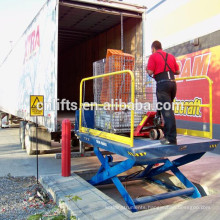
pixel 162 67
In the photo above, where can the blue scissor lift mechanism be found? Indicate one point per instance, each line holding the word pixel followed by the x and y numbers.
pixel 141 151
pixel 145 152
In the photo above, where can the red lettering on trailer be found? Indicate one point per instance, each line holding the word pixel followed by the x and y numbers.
pixel 32 43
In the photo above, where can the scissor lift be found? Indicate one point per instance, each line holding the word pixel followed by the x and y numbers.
pixel 140 151
pixel 147 152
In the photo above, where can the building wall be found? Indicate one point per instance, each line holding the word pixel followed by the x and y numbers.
pixel 174 22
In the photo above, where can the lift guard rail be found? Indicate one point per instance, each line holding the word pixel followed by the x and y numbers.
pixel 143 152
pixel 129 140
pixel 114 137
pixel 206 134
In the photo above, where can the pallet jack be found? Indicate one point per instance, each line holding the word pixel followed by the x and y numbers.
pixel 150 126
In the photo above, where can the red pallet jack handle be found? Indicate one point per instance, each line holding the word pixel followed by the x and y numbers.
pixel 147 121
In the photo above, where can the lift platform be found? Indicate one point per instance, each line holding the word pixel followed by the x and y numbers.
pixel 139 151
pixel 148 152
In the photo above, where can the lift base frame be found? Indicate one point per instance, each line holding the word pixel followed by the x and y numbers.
pixel 147 152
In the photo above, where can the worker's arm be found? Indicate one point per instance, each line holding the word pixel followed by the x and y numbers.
pixel 150 72
pixel 177 72
pixel 150 66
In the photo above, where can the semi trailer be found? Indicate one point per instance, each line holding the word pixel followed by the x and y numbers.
pixel 54 53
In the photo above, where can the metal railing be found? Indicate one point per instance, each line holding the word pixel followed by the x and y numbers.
pixel 129 140
pixel 206 134
pixel 114 137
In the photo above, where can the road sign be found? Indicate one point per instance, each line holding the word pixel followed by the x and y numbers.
pixel 37 105
pixel 37 109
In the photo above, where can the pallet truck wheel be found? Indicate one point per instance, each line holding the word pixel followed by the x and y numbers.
pixel 154 134
pixel 161 134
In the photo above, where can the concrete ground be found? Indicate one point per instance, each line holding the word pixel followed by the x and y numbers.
pixel 96 205
pixel 14 160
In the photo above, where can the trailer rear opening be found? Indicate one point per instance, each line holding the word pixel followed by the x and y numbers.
pixel 85 33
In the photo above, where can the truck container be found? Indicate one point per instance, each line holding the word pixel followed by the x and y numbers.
pixel 55 52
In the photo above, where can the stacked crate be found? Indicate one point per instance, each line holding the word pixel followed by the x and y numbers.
pixel 111 89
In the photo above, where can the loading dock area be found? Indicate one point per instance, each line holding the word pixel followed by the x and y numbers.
pixel 147 152
pixel 203 173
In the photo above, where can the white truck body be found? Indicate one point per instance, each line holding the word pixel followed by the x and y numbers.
pixel 31 67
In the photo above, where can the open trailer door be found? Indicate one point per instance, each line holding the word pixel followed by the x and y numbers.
pixel 86 30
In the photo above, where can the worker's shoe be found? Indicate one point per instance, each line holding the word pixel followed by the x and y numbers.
pixel 167 142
